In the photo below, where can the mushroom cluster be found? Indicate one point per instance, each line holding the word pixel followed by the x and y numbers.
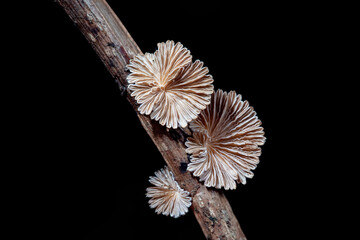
pixel 227 134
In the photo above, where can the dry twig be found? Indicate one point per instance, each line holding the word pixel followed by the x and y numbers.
pixel 115 47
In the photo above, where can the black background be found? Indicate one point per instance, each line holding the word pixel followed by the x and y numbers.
pixel 90 159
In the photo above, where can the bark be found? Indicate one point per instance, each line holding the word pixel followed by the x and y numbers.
pixel 115 47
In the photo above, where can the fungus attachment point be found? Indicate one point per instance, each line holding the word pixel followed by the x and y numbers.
pixel 225 144
pixel 166 196
pixel 168 86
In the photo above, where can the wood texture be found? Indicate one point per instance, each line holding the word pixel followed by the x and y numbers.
pixel 115 47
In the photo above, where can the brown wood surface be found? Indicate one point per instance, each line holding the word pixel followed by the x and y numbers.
pixel 115 47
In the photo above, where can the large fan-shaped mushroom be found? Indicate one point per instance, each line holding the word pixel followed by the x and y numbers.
pixel 225 144
pixel 168 86
pixel 166 196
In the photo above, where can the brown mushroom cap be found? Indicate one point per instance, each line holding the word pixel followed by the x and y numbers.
pixel 225 144
pixel 168 86
pixel 166 196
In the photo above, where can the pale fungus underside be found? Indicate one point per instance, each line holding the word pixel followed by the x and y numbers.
pixel 226 141
pixel 166 196
pixel 168 86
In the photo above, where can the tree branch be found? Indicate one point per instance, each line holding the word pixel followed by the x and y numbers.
pixel 115 47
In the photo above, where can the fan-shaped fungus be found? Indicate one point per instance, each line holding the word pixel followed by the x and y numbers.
pixel 166 196
pixel 225 143
pixel 168 86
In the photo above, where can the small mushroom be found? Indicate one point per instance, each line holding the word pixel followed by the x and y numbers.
pixel 225 144
pixel 168 86
pixel 166 196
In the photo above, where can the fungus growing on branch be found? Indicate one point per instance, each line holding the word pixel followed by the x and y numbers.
pixel 166 196
pixel 225 144
pixel 168 86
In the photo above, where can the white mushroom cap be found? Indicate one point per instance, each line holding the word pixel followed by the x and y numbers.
pixel 166 196
pixel 168 86
pixel 225 144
